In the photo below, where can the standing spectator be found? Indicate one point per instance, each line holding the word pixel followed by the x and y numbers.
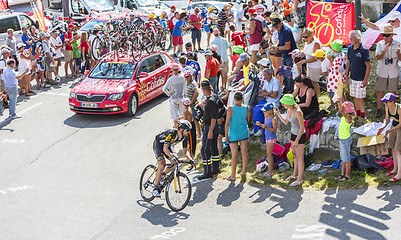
pixel 40 53
pixel 56 44
pixel 209 151
pixel 175 89
pixel 170 18
pixel 34 38
pixel 237 37
pixel 299 8
pixel 85 52
pixel 194 65
pixel 196 33
pixel 208 24
pixel 344 134
pixel 68 51
pixel 239 18
pixel 223 45
pixel 313 65
pixel 191 92
pixel 286 41
pixel 76 53
pixel 393 111
pixel 337 72
pixel 48 58
pixel 294 116
pixel 24 59
pixel 223 18
pixel 188 48
pixel 94 34
pixel 393 21
pixel 255 33
pixel 236 132
pixel 26 39
pixel 288 13
pixel 3 64
pixel 358 66
pixel 11 82
pixel 270 127
pixel 177 33
pixel 11 43
pixel 212 66
pixel 260 8
pixel 388 54
pixel 214 48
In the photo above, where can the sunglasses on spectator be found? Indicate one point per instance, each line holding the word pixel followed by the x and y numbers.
pixel 386 35
pixel 392 21
pixel 305 36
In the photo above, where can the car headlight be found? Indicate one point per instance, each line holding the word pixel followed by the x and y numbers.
pixel 115 96
pixel 72 94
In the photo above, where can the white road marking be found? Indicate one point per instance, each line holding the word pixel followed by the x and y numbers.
pixel 170 233
pixel 309 232
pixel 8 140
pixel 21 188
pixel 57 94
pixel 30 108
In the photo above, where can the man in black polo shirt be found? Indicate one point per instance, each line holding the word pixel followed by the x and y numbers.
pixel 210 131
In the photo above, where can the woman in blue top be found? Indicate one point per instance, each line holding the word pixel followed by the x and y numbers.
pixel 237 132
pixel 270 127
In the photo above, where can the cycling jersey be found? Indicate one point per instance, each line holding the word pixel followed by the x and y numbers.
pixel 167 137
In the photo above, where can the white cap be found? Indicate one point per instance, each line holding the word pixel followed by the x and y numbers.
pixel 395 15
pixel 264 62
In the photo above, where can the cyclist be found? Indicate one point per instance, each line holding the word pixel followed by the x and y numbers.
pixel 162 148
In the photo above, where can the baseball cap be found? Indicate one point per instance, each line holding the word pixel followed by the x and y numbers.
pixel 267 107
pixel 394 16
pixel 296 53
pixel 252 11
pixel 276 21
pixel 214 48
pixel 337 45
pixel 70 26
pixel 4 51
pixel 319 53
pixel 288 99
pixel 264 62
pixel 216 31
pixel 186 101
pixel 132 14
pixel 243 57
pixel 188 44
pixel 389 97
pixel 175 66
pixel 348 107
pixel 208 52
pixel 172 7
pixel 187 73
pixel 20 45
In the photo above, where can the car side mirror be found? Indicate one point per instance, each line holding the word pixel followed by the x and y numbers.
pixel 143 75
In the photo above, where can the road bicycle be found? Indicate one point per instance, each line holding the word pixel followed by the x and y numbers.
pixel 176 184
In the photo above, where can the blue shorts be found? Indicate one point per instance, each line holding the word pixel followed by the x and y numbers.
pixel 345 149
pixel 206 27
pixel 196 35
pixel 331 94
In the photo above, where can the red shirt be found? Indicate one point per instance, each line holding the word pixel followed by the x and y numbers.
pixel 85 46
pixel 238 38
pixel 195 18
pixel 214 65
pixel 287 5
pixel 68 35
pixel 234 59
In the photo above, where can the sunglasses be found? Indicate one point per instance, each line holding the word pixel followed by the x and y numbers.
pixel 305 36
pixel 392 21
pixel 386 35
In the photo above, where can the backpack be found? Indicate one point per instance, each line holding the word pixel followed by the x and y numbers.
pixel 253 77
pixel 264 25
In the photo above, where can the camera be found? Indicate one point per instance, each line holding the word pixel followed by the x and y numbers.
pixel 388 61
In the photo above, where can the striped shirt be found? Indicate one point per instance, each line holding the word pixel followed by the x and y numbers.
pixel 222 18
pixel 190 91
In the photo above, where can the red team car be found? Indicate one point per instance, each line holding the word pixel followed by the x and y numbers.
pixel 121 85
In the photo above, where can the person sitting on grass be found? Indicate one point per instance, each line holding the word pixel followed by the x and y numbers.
pixel 393 110
pixel 347 112
pixel 270 127
pixel 236 131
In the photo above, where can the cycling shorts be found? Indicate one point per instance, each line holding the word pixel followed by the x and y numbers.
pixel 158 150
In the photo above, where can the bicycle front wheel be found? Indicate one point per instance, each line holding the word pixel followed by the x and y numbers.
pixel 178 192
pixel 146 183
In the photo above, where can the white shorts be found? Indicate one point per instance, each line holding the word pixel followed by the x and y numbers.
pixel 176 109
pixel 313 74
pixel 355 89
pixel 254 47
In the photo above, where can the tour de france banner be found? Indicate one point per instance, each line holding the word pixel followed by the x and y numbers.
pixel 330 21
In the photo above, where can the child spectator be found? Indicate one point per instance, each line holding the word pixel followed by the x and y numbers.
pixel 236 131
pixel 296 55
pixel 188 115
pixel 191 92
pixel 345 109
pixel 85 52
pixel 270 128
pixel 237 50
pixel 183 62
pixel 337 70
pixel 194 65
pixel 237 37
pixel 76 53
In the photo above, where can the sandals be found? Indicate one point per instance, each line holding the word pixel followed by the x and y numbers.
pixel 339 177
pixel 291 178
pixel 229 178
pixel 296 183
pixel 343 178
pixel 390 174
pixel 393 179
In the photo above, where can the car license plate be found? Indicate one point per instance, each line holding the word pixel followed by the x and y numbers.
pixel 89 105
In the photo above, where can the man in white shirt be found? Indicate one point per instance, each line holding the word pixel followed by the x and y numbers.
pixel 11 82
pixel 394 21
pixel 239 18
pixel 57 45
pixel 48 58
pixel 3 63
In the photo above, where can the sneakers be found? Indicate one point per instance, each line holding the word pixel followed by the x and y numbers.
pixel 313 167
pixel 15 116
pixel 156 193
pixel 258 133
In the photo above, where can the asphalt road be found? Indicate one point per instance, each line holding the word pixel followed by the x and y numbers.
pixel 73 176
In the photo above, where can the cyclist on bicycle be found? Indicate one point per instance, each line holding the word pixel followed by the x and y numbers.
pixel 162 148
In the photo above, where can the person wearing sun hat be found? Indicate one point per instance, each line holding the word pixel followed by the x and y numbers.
pixel 393 21
pixel 223 18
pixel 388 55
pixel 295 117
pixel 393 110
pixel 175 89
pixel 237 50
pixel 222 46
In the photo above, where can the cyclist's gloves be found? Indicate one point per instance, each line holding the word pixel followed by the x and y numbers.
pixel 193 163
pixel 174 159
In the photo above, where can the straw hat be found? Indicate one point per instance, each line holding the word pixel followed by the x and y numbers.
pixel 388 30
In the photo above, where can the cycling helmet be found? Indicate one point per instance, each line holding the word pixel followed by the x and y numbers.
pixel 184 124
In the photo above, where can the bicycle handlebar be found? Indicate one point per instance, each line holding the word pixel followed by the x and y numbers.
pixel 193 164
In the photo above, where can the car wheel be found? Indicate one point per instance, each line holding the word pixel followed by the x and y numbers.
pixel 132 105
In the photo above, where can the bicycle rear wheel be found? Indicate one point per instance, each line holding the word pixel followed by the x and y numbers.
pixel 146 183
pixel 165 40
pixel 178 193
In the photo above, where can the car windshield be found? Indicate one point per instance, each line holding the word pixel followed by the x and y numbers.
pixel 113 70
pixel 99 5
pixel 89 25
pixel 147 3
